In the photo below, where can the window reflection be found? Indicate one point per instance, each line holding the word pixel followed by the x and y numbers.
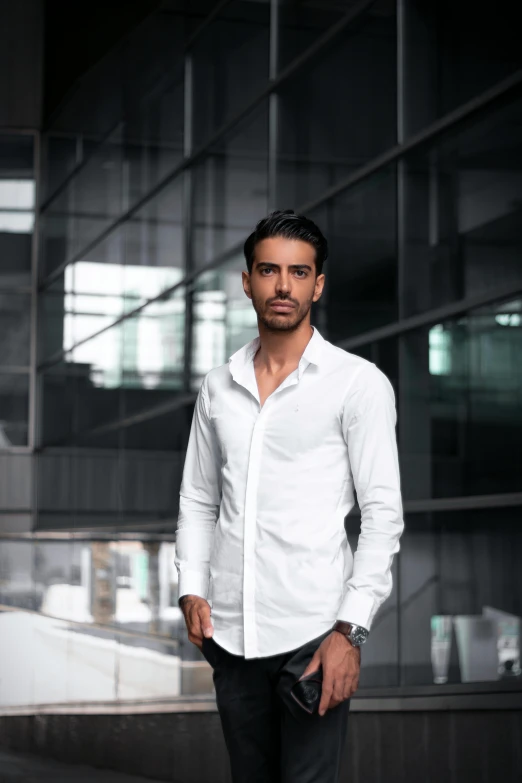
pixel 140 350
pixel 461 430
pixel 93 621
pixel 230 62
pixel 462 213
pixel 361 288
pixel 231 188
pixel 224 319
pixel 460 608
pixel 440 350
pixel 14 410
pixel 17 205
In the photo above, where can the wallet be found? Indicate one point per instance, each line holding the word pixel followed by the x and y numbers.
pixel 301 697
pixel 307 692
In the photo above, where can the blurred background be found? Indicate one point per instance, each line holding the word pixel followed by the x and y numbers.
pixel 140 142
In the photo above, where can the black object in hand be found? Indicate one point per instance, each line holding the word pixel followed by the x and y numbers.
pixel 307 692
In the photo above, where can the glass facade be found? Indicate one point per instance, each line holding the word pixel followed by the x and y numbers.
pixel 396 126
pixel 17 227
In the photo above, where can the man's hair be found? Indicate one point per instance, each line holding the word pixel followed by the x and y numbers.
pixel 285 223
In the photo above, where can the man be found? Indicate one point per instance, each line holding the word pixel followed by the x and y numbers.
pixel 281 438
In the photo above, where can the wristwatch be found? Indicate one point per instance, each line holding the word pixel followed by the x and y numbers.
pixel 355 634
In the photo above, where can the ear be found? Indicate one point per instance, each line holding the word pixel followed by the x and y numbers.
pixel 319 285
pixel 246 284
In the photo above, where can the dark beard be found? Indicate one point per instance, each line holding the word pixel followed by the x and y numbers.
pixel 275 323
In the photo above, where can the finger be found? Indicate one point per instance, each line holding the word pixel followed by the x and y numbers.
pixel 313 666
pixel 326 694
pixel 195 639
pixel 337 694
pixel 195 633
pixel 355 686
pixel 205 623
pixel 350 687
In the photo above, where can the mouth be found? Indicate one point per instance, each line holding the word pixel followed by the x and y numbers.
pixel 282 307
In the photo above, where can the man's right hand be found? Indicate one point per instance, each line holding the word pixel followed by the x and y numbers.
pixel 196 611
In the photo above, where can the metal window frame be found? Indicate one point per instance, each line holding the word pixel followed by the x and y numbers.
pixel 29 290
pixel 302 60
pixel 84 160
pixel 499 93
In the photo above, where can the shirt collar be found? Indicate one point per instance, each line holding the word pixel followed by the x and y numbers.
pixel 240 360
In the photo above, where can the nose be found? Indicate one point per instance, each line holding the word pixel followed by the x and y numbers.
pixel 283 283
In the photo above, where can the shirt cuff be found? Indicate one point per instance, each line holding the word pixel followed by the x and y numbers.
pixel 193 583
pixel 357 608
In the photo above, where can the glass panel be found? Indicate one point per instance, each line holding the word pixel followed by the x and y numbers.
pixel 360 290
pixel 463 213
pixel 17 202
pixel 224 319
pixel 165 431
pixel 154 138
pixel 380 652
pixel 452 56
pixel 303 22
pixel 131 368
pixel 338 112
pixel 87 206
pixel 14 410
pixel 461 426
pixel 230 65
pixel 154 246
pixel 62 153
pixel 99 358
pixel 134 264
pixel 15 325
pixel 230 189
pixel 16 575
pixel 461 597
pixel 153 344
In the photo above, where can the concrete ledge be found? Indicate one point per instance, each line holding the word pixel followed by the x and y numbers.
pixel 470 696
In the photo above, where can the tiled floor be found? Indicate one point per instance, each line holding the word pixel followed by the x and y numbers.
pixel 16 768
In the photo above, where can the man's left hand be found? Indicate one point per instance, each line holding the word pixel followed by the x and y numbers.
pixel 341 663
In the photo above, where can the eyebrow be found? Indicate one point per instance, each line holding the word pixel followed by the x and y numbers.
pixel 291 266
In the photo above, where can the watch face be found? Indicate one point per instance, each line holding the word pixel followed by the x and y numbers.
pixel 359 635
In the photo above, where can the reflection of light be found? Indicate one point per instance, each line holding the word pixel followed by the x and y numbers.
pixel 5 441
pixel 209 330
pixel 16 194
pixel 16 222
pixel 16 203
pixel 439 350
pixel 144 346
pixel 508 319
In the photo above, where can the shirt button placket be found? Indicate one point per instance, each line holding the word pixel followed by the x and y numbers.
pixel 249 540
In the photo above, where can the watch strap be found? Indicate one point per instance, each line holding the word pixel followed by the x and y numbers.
pixel 343 627
pixel 355 634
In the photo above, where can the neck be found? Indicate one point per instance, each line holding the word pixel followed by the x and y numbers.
pixel 279 349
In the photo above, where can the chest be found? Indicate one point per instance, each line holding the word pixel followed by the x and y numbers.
pixel 267 384
pixel 301 417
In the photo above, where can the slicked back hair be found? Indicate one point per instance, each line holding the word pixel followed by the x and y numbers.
pixel 285 223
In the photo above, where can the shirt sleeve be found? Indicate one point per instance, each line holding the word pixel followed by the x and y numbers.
pixel 199 501
pixel 368 420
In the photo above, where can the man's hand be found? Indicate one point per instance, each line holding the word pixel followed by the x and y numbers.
pixel 341 663
pixel 196 612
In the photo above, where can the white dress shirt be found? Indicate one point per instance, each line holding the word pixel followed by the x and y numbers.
pixel 265 491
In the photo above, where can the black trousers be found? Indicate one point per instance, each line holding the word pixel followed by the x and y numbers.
pixel 268 740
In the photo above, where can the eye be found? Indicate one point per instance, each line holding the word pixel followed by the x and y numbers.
pixel 301 272
pixel 266 269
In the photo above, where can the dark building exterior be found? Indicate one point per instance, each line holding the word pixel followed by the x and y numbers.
pixel 127 187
